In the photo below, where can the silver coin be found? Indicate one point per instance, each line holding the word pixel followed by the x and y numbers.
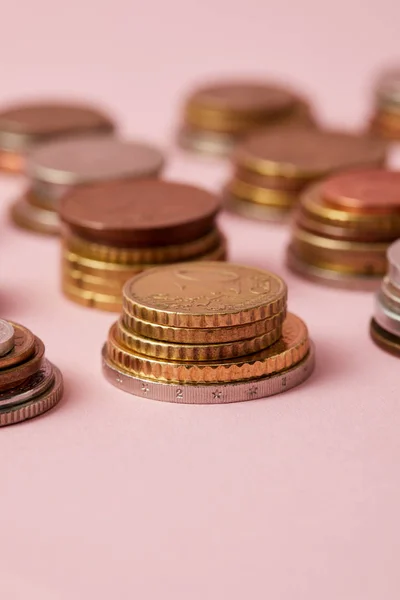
pixel 329 277
pixel 60 164
pixel 210 394
pixel 6 337
pixel 32 387
pixel 390 295
pixel 385 317
pixel 254 211
pixel 207 142
pixel 33 218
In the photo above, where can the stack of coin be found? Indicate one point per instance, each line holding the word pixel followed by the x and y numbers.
pixel 207 333
pixel 272 167
pixel 385 121
pixel 23 126
pixel 217 116
pixel 116 229
pixel 58 166
pixel 385 324
pixel 344 226
pixel 29 384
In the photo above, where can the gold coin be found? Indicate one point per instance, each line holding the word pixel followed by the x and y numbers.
pixel 258 212
pixel 260 195
pixel 129 256
pixel 91 283
pixel 204 294
pixel 191 352
pixel 92 299
pixel 289 350
pixel 184 335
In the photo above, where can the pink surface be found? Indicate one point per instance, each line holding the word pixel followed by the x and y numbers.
pixel 110 496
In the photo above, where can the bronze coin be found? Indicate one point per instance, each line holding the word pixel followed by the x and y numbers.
pixel 139 213
pixel 15 375
pixel 366 191
pixel 24 346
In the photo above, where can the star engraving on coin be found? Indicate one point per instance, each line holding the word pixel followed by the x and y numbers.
pixel 145 388
pixel 217 395
pixel 253 391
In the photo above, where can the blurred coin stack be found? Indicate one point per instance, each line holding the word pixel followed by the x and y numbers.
pixel 344 226
pixel 56 167
pixel 206 333
pixel 217 116
pixel 385 324
pixel 116 229
pixel 29 384
pixel 272 167
pixel 385 121
pixel 24 126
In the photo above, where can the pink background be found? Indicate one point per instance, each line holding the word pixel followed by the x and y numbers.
pixel 110 496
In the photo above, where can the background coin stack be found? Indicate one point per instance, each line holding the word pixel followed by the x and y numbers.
pixel 385 325
pixel 385 121
pixel 29 384
pixel 56 167
pixel 206 333
pixel 272 167
pixel 114 230
pixel 344 226
pixel 217 116
pixel 24 126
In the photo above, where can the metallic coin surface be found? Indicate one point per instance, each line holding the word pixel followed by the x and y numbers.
pixel 385 317
pixel 91 159
pixel 191 352
pixel 206 142
pixel 390 294
pixel 30 388
pixel 7 336
pixel 23 347
pixel 261 195
pixel 287 351
pixel 35 406
pixel 384 339
pixel 12 376
pixel 89 299
pixel 261 387
pixel 35 219
pixel 258 212
pixel 137 213
pixel 204 294
pixel 393 255
pixel 208 335
pixel 303 152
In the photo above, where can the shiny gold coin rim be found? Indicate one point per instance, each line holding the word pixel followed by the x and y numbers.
pixel 91 283
pixel 263 196
pixel 338 245
pixel 92 299
pixel 256 212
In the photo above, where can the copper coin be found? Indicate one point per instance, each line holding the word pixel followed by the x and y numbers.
pixel 307 153
pixel 139 213
pixel 15 375
pixel 24 345
pixel 369 191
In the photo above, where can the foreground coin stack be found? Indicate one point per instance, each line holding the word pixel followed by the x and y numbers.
pixel 29 384
pixel 343 228
pixel 117 229
pixel 24 126
pixel 217 116
pixel 385 121
pixel 385 324
pixel 207 333
pixel 272 167
pixel 56 167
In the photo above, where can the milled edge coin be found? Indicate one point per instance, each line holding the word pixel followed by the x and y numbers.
pixel 33 386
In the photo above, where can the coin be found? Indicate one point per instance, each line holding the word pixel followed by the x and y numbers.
pixel 261 195
pixel 35 385
pixel 204 294
pixel 261 387
pixel 191 352
pixel 393 255
pixel 287 351
pixel 34 219
pixel 140 213
pixel 208 335
pixel 252 210
pixel 385 340
pixel 7 336
pixel 35 406
pixel 12 376
pixel 23 348
pixel 92 299
pixel 390 294
pixel 308 153
pixel 206 142
pixel 385 317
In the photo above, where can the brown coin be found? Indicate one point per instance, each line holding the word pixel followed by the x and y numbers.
pixel 140 213
pixel 368 191
pixel 24 346
pixel 301 152
pixel 13 376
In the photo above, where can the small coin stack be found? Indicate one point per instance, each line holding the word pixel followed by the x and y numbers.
pixel 343 228
pixel 207 333
pixel 24 126
pixel 385 121
pixel 114 230
pixel 272 167
pixel 56 167
pixel 217 116
pixel 29 384
pixel 385 324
